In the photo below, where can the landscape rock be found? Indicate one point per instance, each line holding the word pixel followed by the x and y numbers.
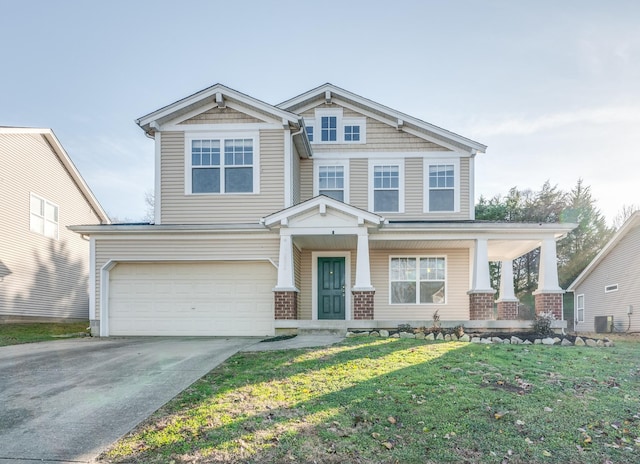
pixel 496 340
pixel 407 335
pixel 395 335
pixel 464 338
pixel 506 341
pixel 608 344
pixel 374 334
pixel 486 341
pixel 591 342
pixel 439 337
pixel 579 341
pixel 430 337
pixel 454 338
pixel 548 341
pixel 350 334
pixel 516 340
pixel 447 338
pixel 566 342
pixel 420 336
pixel 361 334
pixel 537 341
pixel 599 343
pixel 526 342
pixel 475 340
pixel 384 333
pixel 556 340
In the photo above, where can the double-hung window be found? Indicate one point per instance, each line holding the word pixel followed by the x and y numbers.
pixel 387 188
pixel 417 280
pixel 222 165
pixel 442 186
pixel 580 308
pixel 331 181
pixel 329 128
pixel 43 217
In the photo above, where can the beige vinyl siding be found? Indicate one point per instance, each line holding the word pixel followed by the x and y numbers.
pixel 620 267
pixel 295 177
pixel 457 285
pixel 359 183
pixel 39 276
pixel 205 248
pixel 306 179
pixel 379 136
pixel 178 208
pixel 221 116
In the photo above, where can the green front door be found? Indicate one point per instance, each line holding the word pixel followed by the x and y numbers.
pixel 331 289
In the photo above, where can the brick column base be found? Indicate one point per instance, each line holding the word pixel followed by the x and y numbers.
pixel 549 302
pixel 508 310
pixel 481 306
pixel 363 304
pixel 286 304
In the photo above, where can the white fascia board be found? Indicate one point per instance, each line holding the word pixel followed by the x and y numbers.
pixel 132 230
pixel 624 230
pixel 55 144
pixel 316 202
pixel 210 93
pixel 393 115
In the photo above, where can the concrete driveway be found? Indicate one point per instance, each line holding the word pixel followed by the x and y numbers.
pixel 66 401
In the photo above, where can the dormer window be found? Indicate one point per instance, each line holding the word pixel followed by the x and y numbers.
pixel 351 133
pixel 329 125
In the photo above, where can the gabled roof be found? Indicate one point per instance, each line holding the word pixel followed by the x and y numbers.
pixel 384 113
pixel 56 146
pixel 217 93
pixel 633 221
pixel 321 202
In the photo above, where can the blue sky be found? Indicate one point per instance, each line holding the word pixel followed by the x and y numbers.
pixel 552 87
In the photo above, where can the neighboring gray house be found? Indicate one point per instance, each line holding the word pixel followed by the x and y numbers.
pixel 44 267
pixel 610 284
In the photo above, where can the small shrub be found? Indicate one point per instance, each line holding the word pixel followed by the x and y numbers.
pixel 436 320
pixel 404 327
pixel 542 324
pixel 458 331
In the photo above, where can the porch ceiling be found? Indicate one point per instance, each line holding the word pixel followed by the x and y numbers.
pixel 326 242
pixel 419 244
pixel 502 250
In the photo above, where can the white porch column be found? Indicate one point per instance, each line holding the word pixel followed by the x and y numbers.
pixel 506 282
pixel 363 269
pixel 548 273
pixel 481 283
pixel 285 264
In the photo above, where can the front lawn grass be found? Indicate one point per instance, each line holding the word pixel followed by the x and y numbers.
pixel 14 334
pixel 403 401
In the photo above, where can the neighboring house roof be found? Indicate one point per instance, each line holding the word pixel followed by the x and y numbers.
pixel 390 116
pixel 633 221
pixel 57 148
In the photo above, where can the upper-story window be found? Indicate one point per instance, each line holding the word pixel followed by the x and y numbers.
pixel 329 128
pixel 43 217
pixel 442 186
pixel 386 192
pixel 352 133
pixel 328 125
pixel 331 181
pixel 221 165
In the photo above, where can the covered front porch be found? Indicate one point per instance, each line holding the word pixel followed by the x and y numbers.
pixel 345 268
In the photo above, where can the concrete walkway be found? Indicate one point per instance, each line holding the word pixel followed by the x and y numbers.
pixel 66 401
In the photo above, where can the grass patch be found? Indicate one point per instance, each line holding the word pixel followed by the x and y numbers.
pixel 398 400
pixel 15 334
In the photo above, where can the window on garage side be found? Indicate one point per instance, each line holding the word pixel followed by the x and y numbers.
pixel 43 217
pixel 417 280
pixel 580 308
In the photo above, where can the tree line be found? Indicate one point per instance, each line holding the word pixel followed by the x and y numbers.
pixel 550 204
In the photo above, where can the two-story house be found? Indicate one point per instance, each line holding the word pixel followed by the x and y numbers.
pixel 44 267
pixel 326 211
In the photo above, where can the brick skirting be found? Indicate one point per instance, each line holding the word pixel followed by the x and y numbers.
pixel 481 306
pixel 508 310
pixel 546 302
pixel 286 305
pixel 363 304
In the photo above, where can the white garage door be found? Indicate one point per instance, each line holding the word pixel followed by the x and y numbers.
pixel 212 299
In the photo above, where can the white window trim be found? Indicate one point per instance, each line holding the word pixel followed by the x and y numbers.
pixel 362 122
pixel 314 279
pixel 317 131
pixel 418 257
pixel 191 136
pixel 316 176
pixel 611 288
pixel 456 179
pixel 401 183
pixel 578 307
pixel 57 223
